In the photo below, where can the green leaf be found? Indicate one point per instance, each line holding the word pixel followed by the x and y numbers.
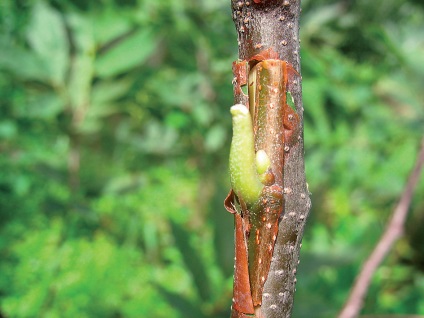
pixel 22 63
pixel 45 105
pixel 128 53
pixel 47 37
pixel 107 91
pixel 110 25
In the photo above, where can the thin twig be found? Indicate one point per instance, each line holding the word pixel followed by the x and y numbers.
pixel 393 232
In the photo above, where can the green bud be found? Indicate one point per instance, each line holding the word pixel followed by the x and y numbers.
pixel 243 171
pixel 262 161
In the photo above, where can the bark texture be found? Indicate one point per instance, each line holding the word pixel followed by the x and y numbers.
pixel 274 24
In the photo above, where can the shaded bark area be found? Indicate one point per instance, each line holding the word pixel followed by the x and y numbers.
pixel 263 25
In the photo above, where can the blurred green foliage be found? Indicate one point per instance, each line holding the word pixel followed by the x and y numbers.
pixel 114 139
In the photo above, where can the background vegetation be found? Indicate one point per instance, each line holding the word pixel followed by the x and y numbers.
pixel 114 139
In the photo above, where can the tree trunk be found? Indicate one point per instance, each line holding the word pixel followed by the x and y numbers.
pixel 269 31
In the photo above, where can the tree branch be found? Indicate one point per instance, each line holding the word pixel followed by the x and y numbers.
pixel 393 232
pixel 274 25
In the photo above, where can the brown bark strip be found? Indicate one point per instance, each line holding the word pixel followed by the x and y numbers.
pixel 393 232
pixel 242 302
pixel 240 71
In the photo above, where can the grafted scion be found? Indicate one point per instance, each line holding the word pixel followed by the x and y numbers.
pixel 263 131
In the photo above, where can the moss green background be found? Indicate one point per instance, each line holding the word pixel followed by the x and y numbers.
pixel 114 140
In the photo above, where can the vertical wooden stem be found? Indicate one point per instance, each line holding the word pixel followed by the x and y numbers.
pixel 274 24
